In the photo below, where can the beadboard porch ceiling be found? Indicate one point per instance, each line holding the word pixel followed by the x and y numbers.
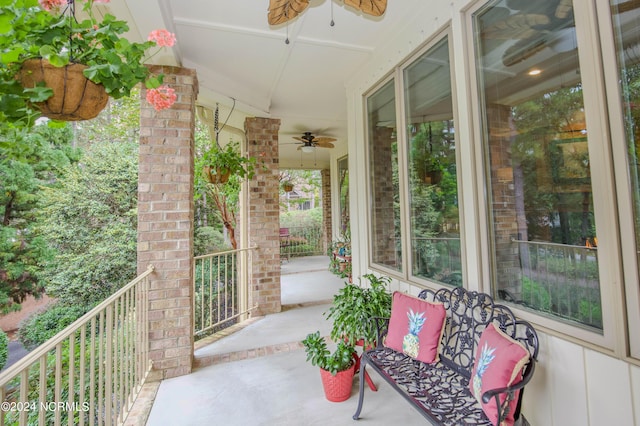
pixel 239 56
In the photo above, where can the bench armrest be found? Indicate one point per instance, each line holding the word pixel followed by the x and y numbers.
pixel 509 390
pixel 382 327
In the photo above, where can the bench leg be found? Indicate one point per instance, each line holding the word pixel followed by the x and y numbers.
pixel 363 374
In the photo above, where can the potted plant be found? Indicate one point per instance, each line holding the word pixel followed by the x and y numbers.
pixel 287 186
pixel 42 36
pixel 219 163
pixel 336 369
pixel 354 305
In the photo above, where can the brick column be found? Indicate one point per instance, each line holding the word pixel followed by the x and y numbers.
pixel 165 222
pixel 326 208
pixel 263 213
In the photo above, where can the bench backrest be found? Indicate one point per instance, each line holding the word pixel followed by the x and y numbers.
pixel 284 232
pixel 468 314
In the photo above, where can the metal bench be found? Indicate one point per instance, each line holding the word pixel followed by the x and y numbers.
pixel 440 391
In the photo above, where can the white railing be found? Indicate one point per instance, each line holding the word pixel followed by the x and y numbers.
pixel 88 374
pixel 221 289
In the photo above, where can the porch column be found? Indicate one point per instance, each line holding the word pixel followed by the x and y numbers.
pixel 165 222
pixel 263 213
pixel 326 209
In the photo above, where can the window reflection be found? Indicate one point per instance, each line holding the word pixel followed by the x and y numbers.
pixel 543 231
pixel 383 168
pixel 626 22
pixel 435 231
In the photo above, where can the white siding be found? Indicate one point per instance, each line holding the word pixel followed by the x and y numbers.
pixel 573 385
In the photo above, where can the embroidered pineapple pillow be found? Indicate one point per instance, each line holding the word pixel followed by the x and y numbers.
pixel 498 363
pixel 415 327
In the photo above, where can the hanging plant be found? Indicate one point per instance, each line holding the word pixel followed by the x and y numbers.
pixel 39 36
pixel 219 163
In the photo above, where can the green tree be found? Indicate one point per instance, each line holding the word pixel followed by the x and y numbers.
pixel 90 223
pixel 32 161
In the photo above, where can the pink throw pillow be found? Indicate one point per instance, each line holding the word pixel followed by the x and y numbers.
pixel 498 363
pixel 415 327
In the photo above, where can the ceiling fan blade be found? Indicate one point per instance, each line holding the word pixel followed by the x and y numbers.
pixel 370 7
pixel 324 144
pixel 323 139
pixel 281 11
pixel 298 138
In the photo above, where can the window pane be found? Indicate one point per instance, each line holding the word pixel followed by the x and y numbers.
pixel 343 187
pixel 435 232
pixel 627 28
pixel 383 168
pixel 542 223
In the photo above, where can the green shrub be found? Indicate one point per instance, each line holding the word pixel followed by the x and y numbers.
pixel 42 326
pixel 4 348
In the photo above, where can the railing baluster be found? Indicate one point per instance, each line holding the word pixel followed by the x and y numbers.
pixel 226 295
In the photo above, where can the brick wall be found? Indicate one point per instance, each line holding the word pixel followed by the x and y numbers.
pixel 165 222
pixel 263 212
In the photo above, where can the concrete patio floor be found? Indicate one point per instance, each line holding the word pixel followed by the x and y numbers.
pixel 258 375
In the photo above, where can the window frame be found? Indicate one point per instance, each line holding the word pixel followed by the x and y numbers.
pixel 624 190
pixel 397 74
pixel 601 172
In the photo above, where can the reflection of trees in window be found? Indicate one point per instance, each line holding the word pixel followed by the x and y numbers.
pixel 343 185
pixel 556 198
pixel 434 202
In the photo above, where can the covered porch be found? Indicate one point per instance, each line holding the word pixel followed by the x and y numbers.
pixel 258 374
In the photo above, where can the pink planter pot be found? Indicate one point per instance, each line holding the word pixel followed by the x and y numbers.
pixel 338 388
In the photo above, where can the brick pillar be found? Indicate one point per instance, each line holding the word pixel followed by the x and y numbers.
pixel 165 222
pixel 326 208
pixel 263 213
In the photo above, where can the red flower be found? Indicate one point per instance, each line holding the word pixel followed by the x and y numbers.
pixel 162 97
pixel 50 5
pixel 163 38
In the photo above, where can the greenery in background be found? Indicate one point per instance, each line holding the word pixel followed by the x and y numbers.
pixel 301 218
pixel 4 348
pixel 307 186
pixel 90 223
pixel 42 326
pixel 31 162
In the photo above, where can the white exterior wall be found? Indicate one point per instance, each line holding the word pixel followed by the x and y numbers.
pixel 573 384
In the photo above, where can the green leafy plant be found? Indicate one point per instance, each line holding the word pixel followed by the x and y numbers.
pixel 319 355
pixel 50 29
pixel 355 305
pixel 228 159
pixel 4 348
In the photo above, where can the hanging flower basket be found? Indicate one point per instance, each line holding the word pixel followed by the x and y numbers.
pixel 216 175
pixel 74 96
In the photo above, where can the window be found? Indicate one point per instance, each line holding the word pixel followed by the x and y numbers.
pixel 386 242
pixel 542 229
pixel 433 190
pixel 343 197
pixel 626 22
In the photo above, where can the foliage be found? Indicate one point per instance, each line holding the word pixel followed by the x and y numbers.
pixel 30 162
pixel 227 159
pixel 27 31
pixel 90 222
pixel 208 239
pixel 118 122
pixel 319 355
pixel 4 349
pixel 301 218
pixel 42 326
pixel 354 306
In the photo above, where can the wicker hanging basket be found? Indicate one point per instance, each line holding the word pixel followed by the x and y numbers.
pixel 74 96
pixel 216 175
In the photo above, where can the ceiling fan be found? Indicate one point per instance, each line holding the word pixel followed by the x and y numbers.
pixel 309 142
pixel 281 11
